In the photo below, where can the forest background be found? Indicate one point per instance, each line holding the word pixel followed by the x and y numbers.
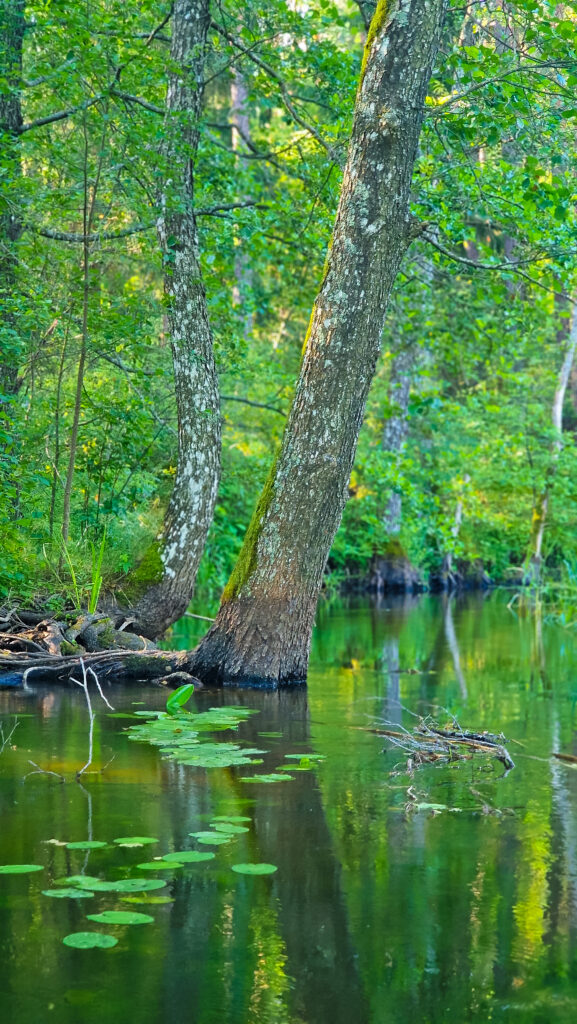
pixel 467 452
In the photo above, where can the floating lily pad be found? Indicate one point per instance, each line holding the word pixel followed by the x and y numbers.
pixel 19 869
pixel 305 757
pixel 271 735
pixel 254 869
pixel 160 865
pixel 231 817
pixel 71 894
pixel 272 777
pixel 230 827
pixel 89 940
pixel 88 844
pixel 120 917
pixel 135 840
pixel 188 857
pixel 218 839
pixel 85 880
pixel 146 899
pixel 129 885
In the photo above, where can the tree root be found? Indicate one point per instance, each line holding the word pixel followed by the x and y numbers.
pixel 50 651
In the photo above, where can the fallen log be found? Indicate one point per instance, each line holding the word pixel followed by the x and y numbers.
pixel 53 652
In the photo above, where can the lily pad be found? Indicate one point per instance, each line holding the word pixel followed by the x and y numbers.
pixel 88 844
pixel 146 899
pixel 120 917
pixel 71 894
pixel 218 839
pixel 84 880
pixel 229 827
pixel 129 885
pixel 160 865
pixel 305 757
pixel 134 840
pixel 19 869
pixel 188 857
pixel 231 817
pixel 254 869
pixel 89 940
pixel 273 777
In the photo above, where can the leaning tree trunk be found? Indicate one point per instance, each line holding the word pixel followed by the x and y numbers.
pixel 172 562
pixel 535 555
pixel 12 26
pixel 263 629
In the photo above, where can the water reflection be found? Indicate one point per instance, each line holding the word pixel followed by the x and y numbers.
pixel 376 914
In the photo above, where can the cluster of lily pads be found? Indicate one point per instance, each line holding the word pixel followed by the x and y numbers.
pixel 223 829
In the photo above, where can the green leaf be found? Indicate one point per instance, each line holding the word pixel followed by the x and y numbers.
pixel 231 817
pixel 19 869
pixel 71 894
pixel 254 869
pixel 89 844
pixel 134 840
pixel 179 698
pixel 89 940
pixel 273 777
pixel 158 900
pixel 159 865
pixel 129 885
pixel 120 917
pixel 230 827
pixel 188 857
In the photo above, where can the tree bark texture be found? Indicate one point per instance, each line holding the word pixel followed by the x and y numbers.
pixel 541 507
pixel 173 561
pixel 12 27
pixel 397 425
pixel 263 629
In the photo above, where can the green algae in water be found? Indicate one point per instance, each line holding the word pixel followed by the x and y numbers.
pixel 89 940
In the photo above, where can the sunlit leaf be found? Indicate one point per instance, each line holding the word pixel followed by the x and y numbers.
pixel 89 940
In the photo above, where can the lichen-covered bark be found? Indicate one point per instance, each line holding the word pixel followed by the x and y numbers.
pixel 12 27
pixel 191 506
pixel 263 629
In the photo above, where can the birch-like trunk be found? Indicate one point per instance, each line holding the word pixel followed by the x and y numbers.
pixel 173 562
pixel 263 629
pixel 541 508
pixel 397 425
pixel 240 136
pixel 12 28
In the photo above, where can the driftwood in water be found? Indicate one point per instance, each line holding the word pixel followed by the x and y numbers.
pixel 51 651
pixel 428 744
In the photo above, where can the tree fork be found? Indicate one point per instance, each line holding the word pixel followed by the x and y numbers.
pixel 264 625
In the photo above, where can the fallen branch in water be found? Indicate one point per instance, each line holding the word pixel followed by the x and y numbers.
pixel 428 743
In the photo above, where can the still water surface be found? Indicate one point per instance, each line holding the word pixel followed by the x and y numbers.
pixel 376 913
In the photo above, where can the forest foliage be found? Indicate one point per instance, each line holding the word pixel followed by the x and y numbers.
pixel 483 303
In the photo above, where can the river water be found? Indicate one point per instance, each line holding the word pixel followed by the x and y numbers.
pixel 381 909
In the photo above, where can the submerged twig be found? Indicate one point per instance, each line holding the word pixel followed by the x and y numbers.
pixel 428 743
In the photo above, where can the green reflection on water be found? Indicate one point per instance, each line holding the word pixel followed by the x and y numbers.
pixel 376 913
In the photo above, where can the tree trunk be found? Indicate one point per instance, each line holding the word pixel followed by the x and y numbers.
pixel 263 629
pixel 240 136
pixel 541 507
pixel 171 564
pixel 397 425
pixel 12 27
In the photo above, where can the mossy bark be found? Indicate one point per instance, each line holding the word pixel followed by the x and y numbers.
pixel 263 629
pixel 173 560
